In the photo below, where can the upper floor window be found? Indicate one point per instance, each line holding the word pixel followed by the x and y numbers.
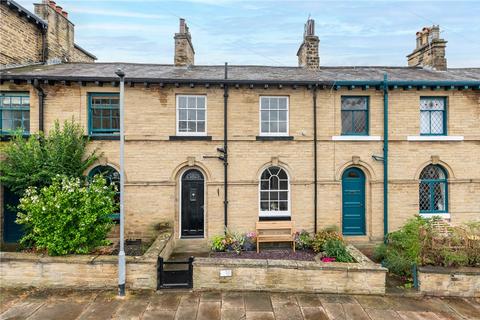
pixel 191 115
pixel 14 112
pixel 433 116
pixel 113 178
pixel 103 113
pixel 354 115
pixel 433 190
pixel 274 192
pixel 274 116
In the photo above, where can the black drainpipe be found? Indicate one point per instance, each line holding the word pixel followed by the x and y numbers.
pixel 315 187
pixel 41 100
pixel 225 147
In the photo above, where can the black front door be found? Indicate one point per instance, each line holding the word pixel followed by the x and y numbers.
pixel 192 203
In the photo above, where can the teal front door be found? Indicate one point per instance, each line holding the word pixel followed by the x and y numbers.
pixel 353 202
pixel 12 232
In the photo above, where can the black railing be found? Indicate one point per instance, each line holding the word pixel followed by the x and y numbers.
pixel 174 274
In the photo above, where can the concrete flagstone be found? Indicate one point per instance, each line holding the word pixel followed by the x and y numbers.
pixel 187 305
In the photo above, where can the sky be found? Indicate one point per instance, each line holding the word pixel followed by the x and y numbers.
pixel 267 32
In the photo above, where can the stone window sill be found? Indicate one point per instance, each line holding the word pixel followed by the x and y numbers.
pixel 445 215
pixel 190 138
pixel 435 138
pixel 356 138
pixel 274 138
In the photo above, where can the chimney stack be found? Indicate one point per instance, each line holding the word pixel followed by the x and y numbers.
pixel 430 50
pixel 184 53
pixel 308 56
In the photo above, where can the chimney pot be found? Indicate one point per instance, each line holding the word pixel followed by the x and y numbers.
pixel 65 14
pixel 52 4
pixel 59 9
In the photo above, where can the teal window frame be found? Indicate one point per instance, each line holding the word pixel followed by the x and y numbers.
pixel 444 115
pixel 92 107
pixel 352 132
pixel 105 170
pixel 431 183
pixel 24 110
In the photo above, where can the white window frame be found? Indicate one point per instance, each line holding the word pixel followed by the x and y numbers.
pixel 273 134
pixel 177 120
pixel 269 213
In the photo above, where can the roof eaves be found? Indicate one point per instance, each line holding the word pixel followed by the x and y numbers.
pixel 29 15
pixel 76 46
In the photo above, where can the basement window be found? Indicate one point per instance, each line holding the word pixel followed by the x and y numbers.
pixel 14 112
pixel 103 114
pixel 191 115
pixel 274 116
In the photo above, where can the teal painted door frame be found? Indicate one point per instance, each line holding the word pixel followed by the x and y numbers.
pixel 353 202
pixel 12 232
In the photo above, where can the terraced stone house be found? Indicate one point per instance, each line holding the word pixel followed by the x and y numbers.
pixel 363 148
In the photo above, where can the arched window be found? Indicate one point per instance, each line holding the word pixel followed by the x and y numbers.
pixel 433 195
pixel 274 193
pixel 113 177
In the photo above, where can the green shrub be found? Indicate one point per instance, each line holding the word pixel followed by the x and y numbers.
pixel 329 233
pixel 218 243
pixel 69 216
pixel 35 161
pixel 337 249
pixel 303 240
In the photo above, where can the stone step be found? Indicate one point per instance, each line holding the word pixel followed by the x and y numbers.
pixel 191 245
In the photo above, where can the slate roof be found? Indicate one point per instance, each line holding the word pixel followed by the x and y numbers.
pixel 216 73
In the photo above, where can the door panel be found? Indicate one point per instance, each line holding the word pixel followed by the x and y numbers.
pixel 12 232
pixel 353 202
pixel 193 204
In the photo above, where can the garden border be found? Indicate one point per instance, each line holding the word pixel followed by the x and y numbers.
pixel 361 277
pixel 455 282
pixel 22 270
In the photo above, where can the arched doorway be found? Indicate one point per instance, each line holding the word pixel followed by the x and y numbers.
pixel 192 204
pixel 353 202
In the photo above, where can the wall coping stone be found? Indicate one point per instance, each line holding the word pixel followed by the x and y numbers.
pixel 444 270
pixel 149 257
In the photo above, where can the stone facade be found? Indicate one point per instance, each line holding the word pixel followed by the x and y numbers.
pixel 154 163
pixel 46 36
pixel 24 270
pixel 430 50
pixel 460 282
pixel 362 277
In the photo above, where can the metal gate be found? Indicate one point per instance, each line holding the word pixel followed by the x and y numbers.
pixel 174 274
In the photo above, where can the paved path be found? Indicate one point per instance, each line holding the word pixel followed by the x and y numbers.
pixel 66 305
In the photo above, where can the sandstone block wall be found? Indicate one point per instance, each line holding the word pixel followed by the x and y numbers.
pixel 461 282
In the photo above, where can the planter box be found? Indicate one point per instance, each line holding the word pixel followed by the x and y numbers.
pixel 362 277
pixel 456 282
pixel 20 270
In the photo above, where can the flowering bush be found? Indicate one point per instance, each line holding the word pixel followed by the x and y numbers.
pixel 69 216
pixel 232 241
pixel 303 240
pixel 250 241
pixel 323 236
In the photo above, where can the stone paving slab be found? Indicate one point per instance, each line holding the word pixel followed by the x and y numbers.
pixel 187 305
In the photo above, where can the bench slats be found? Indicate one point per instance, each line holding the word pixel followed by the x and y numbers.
pixel 275 231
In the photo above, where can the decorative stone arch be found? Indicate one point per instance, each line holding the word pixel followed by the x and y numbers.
pixel 277 163
pixel 190 163
pixel 435 160
pixel 104 162
pixel 356 162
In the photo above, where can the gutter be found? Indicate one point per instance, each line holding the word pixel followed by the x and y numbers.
pixel 41 103
pixel 315 175
pixel 385 156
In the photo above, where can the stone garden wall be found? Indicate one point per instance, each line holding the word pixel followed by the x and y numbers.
pixel 460 282
pixel 19 269
pixel 362 277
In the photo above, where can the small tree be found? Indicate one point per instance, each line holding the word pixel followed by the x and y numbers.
pixel 36 160
pixel 69 216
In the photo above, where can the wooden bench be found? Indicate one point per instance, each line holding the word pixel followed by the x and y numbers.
pixel 275 231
